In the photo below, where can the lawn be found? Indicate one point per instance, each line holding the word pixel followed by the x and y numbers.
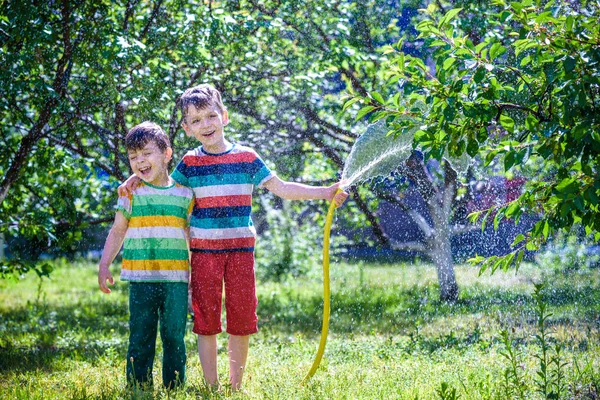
pixel 390 338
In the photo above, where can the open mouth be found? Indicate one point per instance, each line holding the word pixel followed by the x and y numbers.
pixel 209 134
pixel 145 171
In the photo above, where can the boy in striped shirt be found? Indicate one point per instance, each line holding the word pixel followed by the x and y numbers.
pixel 152 224
pixel 222 237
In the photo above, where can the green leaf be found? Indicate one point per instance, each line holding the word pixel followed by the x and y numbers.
pixel 474 216
pixel 387 49
pixel 350 102
pixel 525 61
pixel 518 239
pixel 531 246
pixel 496 50
pixel 448 63
pixel 449 112
pixel 513 209
pixel 565 209
pixel 509 160
pixel 520 256
pixel 497 219
pixel 377 97
pixel 507 122
pixel 567 185
pixel 580 130
pixel 490 157
pixel 479 75
pixel 508 260
pixel 499 261
pixel 569 23
pixel 364 111
pixel 472 147
pixel 569 64
pixel 484 220
pixel 450 15
pixel 531 122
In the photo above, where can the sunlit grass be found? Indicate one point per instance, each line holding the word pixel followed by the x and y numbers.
pixel 389 335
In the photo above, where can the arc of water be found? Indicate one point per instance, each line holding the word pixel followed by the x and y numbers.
pixel 370 156
pixel 376 154
pixel 358 174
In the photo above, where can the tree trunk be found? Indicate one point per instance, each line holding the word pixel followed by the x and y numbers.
pixel 21 156
pixel 441 255
pixel 60 83
pixel 440 250
pixel 440 207
pixel 439 202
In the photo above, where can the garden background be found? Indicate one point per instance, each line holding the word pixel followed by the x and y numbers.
pixel 513 88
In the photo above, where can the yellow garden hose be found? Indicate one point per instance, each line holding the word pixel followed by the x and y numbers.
pixel 326 304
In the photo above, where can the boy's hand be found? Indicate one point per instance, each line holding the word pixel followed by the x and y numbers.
pixel 126 188
pixel 103 276
pixel 337 198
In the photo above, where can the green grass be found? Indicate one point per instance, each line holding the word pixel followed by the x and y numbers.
pixel 390 338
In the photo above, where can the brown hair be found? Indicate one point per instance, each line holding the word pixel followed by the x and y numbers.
pixel 200 96
pixel 147 131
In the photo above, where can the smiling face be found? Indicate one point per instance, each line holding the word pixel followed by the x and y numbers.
pixel 150 163
pixel 206 125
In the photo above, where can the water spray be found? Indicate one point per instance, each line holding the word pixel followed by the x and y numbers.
pixel 374 154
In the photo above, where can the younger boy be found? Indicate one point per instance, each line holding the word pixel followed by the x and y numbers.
pixel 153 223
pixel 222 236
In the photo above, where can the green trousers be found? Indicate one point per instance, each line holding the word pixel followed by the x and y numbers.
pixel 149 303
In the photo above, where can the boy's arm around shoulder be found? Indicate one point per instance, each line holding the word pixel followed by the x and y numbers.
pixel 113 244
pixel 300 191
pixel 128 187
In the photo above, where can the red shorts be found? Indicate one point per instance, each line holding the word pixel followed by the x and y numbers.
pixel 209 271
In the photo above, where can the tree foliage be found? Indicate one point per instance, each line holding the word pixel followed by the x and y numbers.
pixel 514 84
pixel 523 94
pixel 76 76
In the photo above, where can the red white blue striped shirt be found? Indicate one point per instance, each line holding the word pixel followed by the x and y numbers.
pixel 223 185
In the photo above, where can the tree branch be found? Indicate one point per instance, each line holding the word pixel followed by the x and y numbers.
pixel 175 122
pixel 415 171
pixel 40 198
pixel 460 229
pixel 79 150
pixel 96 221
pixel 153 16
pixel 356 84
pixel 105 136
pixel 377 229
pixel 416 216
pixel 120 126
pixel 450 179
pixel 409 246
pixel 503 106
pixel 129 13
pixel 439 4
pixel 311 115
pixel 328 150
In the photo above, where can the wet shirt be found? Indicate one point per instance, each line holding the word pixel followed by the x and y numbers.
pixel 155 247
pixel 223 185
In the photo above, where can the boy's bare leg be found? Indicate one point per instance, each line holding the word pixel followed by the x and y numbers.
pixel 238 353
pixel 207 350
